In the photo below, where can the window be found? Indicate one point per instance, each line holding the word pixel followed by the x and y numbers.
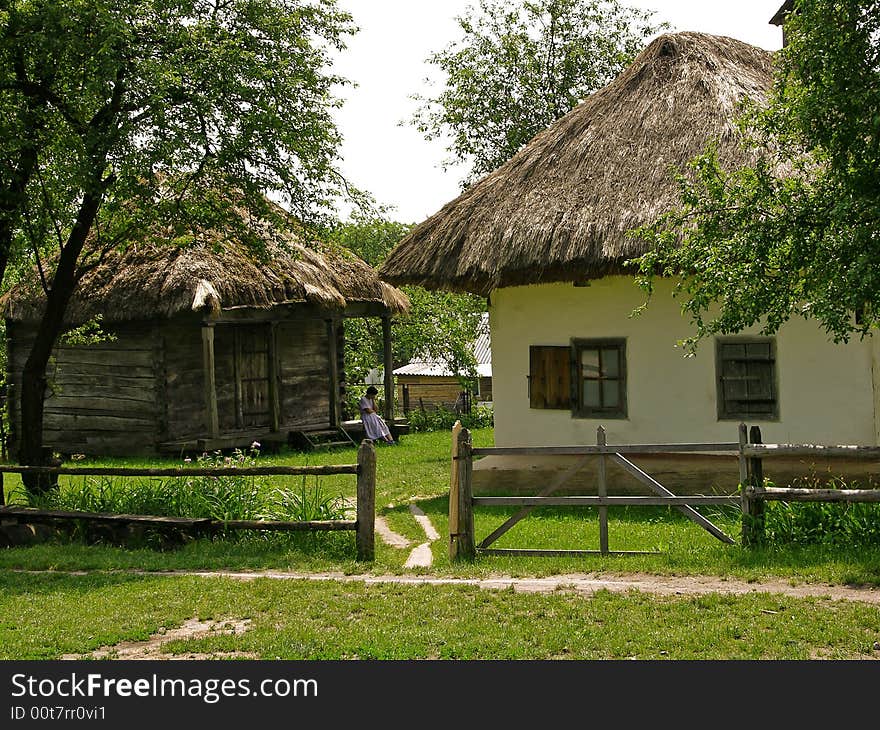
pixel 550 377
pixel 746 370
pixel 599 373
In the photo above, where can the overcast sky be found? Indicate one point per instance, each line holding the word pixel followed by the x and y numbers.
pixel 386 60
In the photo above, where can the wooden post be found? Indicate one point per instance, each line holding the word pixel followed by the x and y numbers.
pixel 453 494
pixel 466 548
pixel 743 484
pixel 602 491
pixel 756 480
pixel 212 421
pixel 274 385
pixel 333 356
pixel 388 365
pixel 366 502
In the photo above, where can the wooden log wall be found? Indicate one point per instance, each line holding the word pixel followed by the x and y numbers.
pixel 304 371
pixel 437 391
pixel 184 385
pixel 101 398
pixel 147 386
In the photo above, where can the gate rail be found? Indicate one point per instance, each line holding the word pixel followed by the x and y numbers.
pixel 751 496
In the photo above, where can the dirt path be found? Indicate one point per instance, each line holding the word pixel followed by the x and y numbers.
pixel 587 584
pixel 581 583
pixel 151 648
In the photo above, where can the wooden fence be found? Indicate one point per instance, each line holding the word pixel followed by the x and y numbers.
pixel 755 494
pixel 751 497
pixel 363 525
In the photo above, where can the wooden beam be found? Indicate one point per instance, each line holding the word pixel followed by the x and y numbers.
pixel 194 471
pixel 366 501
pixel 609 449
pixel 595 501
pixel 299 311
pixel 274 384
pixel 754 535
pixel 791 494
pixel 526 552
pixel 602 491
pixel 212 421
pixel 388 357
pixel 333 357
pixel 237 371
pixel 763 451
pixel 466 548
pixel 688 512
pixel 453 494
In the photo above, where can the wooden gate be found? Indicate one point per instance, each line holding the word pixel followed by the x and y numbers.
pixel 461 500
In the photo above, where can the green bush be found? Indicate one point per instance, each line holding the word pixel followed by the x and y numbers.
pixel 443 419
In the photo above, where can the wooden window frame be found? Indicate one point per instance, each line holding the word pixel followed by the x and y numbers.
pixel 579 410
pixel 728 414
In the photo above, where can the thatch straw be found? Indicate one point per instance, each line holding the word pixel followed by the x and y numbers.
pixel 560 209
pixel 149 280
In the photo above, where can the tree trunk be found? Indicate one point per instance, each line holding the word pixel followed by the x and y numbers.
pixel 33 380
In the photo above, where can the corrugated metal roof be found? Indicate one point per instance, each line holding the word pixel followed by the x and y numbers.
pixel 482 350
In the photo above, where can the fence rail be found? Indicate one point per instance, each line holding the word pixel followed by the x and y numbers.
pixel 363 525
pixel 751 497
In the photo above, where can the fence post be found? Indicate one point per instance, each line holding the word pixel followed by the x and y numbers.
pixel 466 550
pixel 366 502
pixel 755 516
pixel 453 495
pixel 743 484
pixel 602 491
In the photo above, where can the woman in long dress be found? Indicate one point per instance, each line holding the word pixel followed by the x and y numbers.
pixel 374 427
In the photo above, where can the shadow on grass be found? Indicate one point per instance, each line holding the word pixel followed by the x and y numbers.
pixel 35 585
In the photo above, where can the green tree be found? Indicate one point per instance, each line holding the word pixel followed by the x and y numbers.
pixel 797 233
pixel 120 116
pixel 440 325
pixel 520 65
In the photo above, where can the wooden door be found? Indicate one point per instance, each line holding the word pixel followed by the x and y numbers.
pixel 252 356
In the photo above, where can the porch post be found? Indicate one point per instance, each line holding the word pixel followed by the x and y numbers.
pixel 212 421
pixel 274 384
pixel 389 368
pixel 333 356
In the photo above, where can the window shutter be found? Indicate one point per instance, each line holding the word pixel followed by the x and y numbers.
pixel 550 377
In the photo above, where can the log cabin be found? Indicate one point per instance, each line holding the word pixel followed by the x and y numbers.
pixel 205 346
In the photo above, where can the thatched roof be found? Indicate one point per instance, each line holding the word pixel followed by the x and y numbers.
pixel 559 210
pixel 149 280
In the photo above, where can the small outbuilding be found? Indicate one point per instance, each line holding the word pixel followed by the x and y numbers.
pixel 546 238
pixel 425 383
pixel 207 346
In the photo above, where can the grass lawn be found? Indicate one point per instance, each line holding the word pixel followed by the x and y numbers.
pixel 56 614
pixel 44 615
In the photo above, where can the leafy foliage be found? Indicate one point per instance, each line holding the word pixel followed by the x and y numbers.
pixel 156 115
pixel 443 419
pixel 520 65
pixel 797 233
pixel 440 325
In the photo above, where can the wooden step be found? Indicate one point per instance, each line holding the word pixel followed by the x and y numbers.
pixel 331 444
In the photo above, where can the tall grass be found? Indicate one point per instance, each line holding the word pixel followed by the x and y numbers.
pixel 822 523
pixel 222 498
